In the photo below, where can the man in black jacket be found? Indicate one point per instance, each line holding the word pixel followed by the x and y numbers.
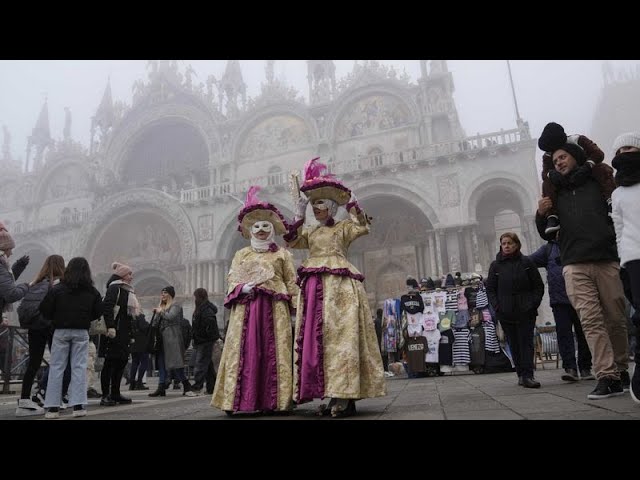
pixel 590 266
pixel 205 334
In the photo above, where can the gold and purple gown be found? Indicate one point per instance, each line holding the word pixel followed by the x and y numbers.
pixel 255 367
pixel 336 350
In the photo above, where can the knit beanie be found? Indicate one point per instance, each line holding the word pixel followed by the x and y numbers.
pixel 170 290
pixel 449 282
pixel 412 282
pixel 631 139
pixel 575 151
pixel 552 137
pixel 6 242
pixel 121 269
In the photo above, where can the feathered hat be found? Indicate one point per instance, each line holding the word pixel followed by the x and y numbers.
pixel 255 211
pixel 319 183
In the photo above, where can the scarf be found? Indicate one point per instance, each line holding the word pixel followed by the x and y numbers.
pixel 263 245
pixel 627 167
pixel 133 306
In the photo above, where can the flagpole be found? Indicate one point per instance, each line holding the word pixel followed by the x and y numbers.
pixel 513 91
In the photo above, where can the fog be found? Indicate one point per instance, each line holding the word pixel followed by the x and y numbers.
pixel 546 90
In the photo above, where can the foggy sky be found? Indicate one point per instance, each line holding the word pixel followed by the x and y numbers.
pixel 547 90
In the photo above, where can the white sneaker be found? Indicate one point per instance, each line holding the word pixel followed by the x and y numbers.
pixel 28 408
pixel 80 413
pixel 51 414
pixel 389 374
pixel 192 393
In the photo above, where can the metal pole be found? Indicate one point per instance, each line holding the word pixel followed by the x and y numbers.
pixel 513 91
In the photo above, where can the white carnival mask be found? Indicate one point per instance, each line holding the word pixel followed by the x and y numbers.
pixel 320 204
pixel 262 226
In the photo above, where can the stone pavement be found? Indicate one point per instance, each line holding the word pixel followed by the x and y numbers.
pixel 451 397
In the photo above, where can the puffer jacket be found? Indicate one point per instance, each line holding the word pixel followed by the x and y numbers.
pixel 548 257
pixel 9 291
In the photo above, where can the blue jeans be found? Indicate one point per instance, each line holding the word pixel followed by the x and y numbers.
pixel 69 344
pixel 566 317
pixel 162 370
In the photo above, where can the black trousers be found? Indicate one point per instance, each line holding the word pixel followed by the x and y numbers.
pixel 519 335
pixel 632 289
pixel 111 376
pixel 37 344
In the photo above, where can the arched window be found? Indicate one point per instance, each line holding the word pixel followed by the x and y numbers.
pixel 375 157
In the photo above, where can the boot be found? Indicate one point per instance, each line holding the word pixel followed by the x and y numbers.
pixel 133 386
pixel 119 399
pixel 187 387
pixel 160 391
pixel 141 386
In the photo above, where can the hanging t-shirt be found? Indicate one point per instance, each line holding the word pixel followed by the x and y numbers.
pixel 446 320
pixel 471 294
pixel 462 300
pixel 430 320
pixel 415 324
pixel 427 299
pixel 416 352
pixel 482 300
pixel 433 343
pixel 451 302
pixel 440 299
pixel 461 354
pixel 491 343
pixel 445 352
pixel 412 303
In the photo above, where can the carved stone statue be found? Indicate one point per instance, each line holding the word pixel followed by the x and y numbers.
pixel 66 133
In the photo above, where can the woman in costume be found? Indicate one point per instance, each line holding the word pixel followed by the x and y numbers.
pixel 255 368
pixel 336 353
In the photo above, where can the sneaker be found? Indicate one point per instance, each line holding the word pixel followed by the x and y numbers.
pixel 53 412
pixel 39 397
pixel 389 374
pixel 570 375
pixel 634 390
pixel 28 408
pixel 93 393
pixel 626 381
pixel 606 387
pixel 65 402
pixel 585 374
pixel 79 411
pixel 553 224
pixel 193 393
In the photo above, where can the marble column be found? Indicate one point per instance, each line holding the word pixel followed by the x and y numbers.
pixel 210 285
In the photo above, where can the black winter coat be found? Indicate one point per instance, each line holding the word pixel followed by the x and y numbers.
pixel 514 287
pixel 205 324
pixel 118 347
pixel 71 308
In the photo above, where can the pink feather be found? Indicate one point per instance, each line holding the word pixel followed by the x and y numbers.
pixel 313 169
pixel 252 196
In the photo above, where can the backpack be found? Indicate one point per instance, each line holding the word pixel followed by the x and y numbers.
pixel 28 311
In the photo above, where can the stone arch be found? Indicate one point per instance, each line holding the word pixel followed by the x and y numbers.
pixel 53 170
pixel 499 179
pixel 125 203
pixel 397 188
pixel 136 123
pixel 349 100
pixel 38 251
pixel 261 117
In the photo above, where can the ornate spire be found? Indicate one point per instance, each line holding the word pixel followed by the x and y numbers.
pixel 104 115
pixel 232 85
pixel 321 75
pixel 103 119
pixel 40 137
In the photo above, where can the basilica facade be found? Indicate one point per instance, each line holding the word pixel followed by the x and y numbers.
pixel 160 185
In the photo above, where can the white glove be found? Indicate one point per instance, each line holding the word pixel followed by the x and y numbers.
pixel 111 332
pixel 248 287
pixel 301 209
